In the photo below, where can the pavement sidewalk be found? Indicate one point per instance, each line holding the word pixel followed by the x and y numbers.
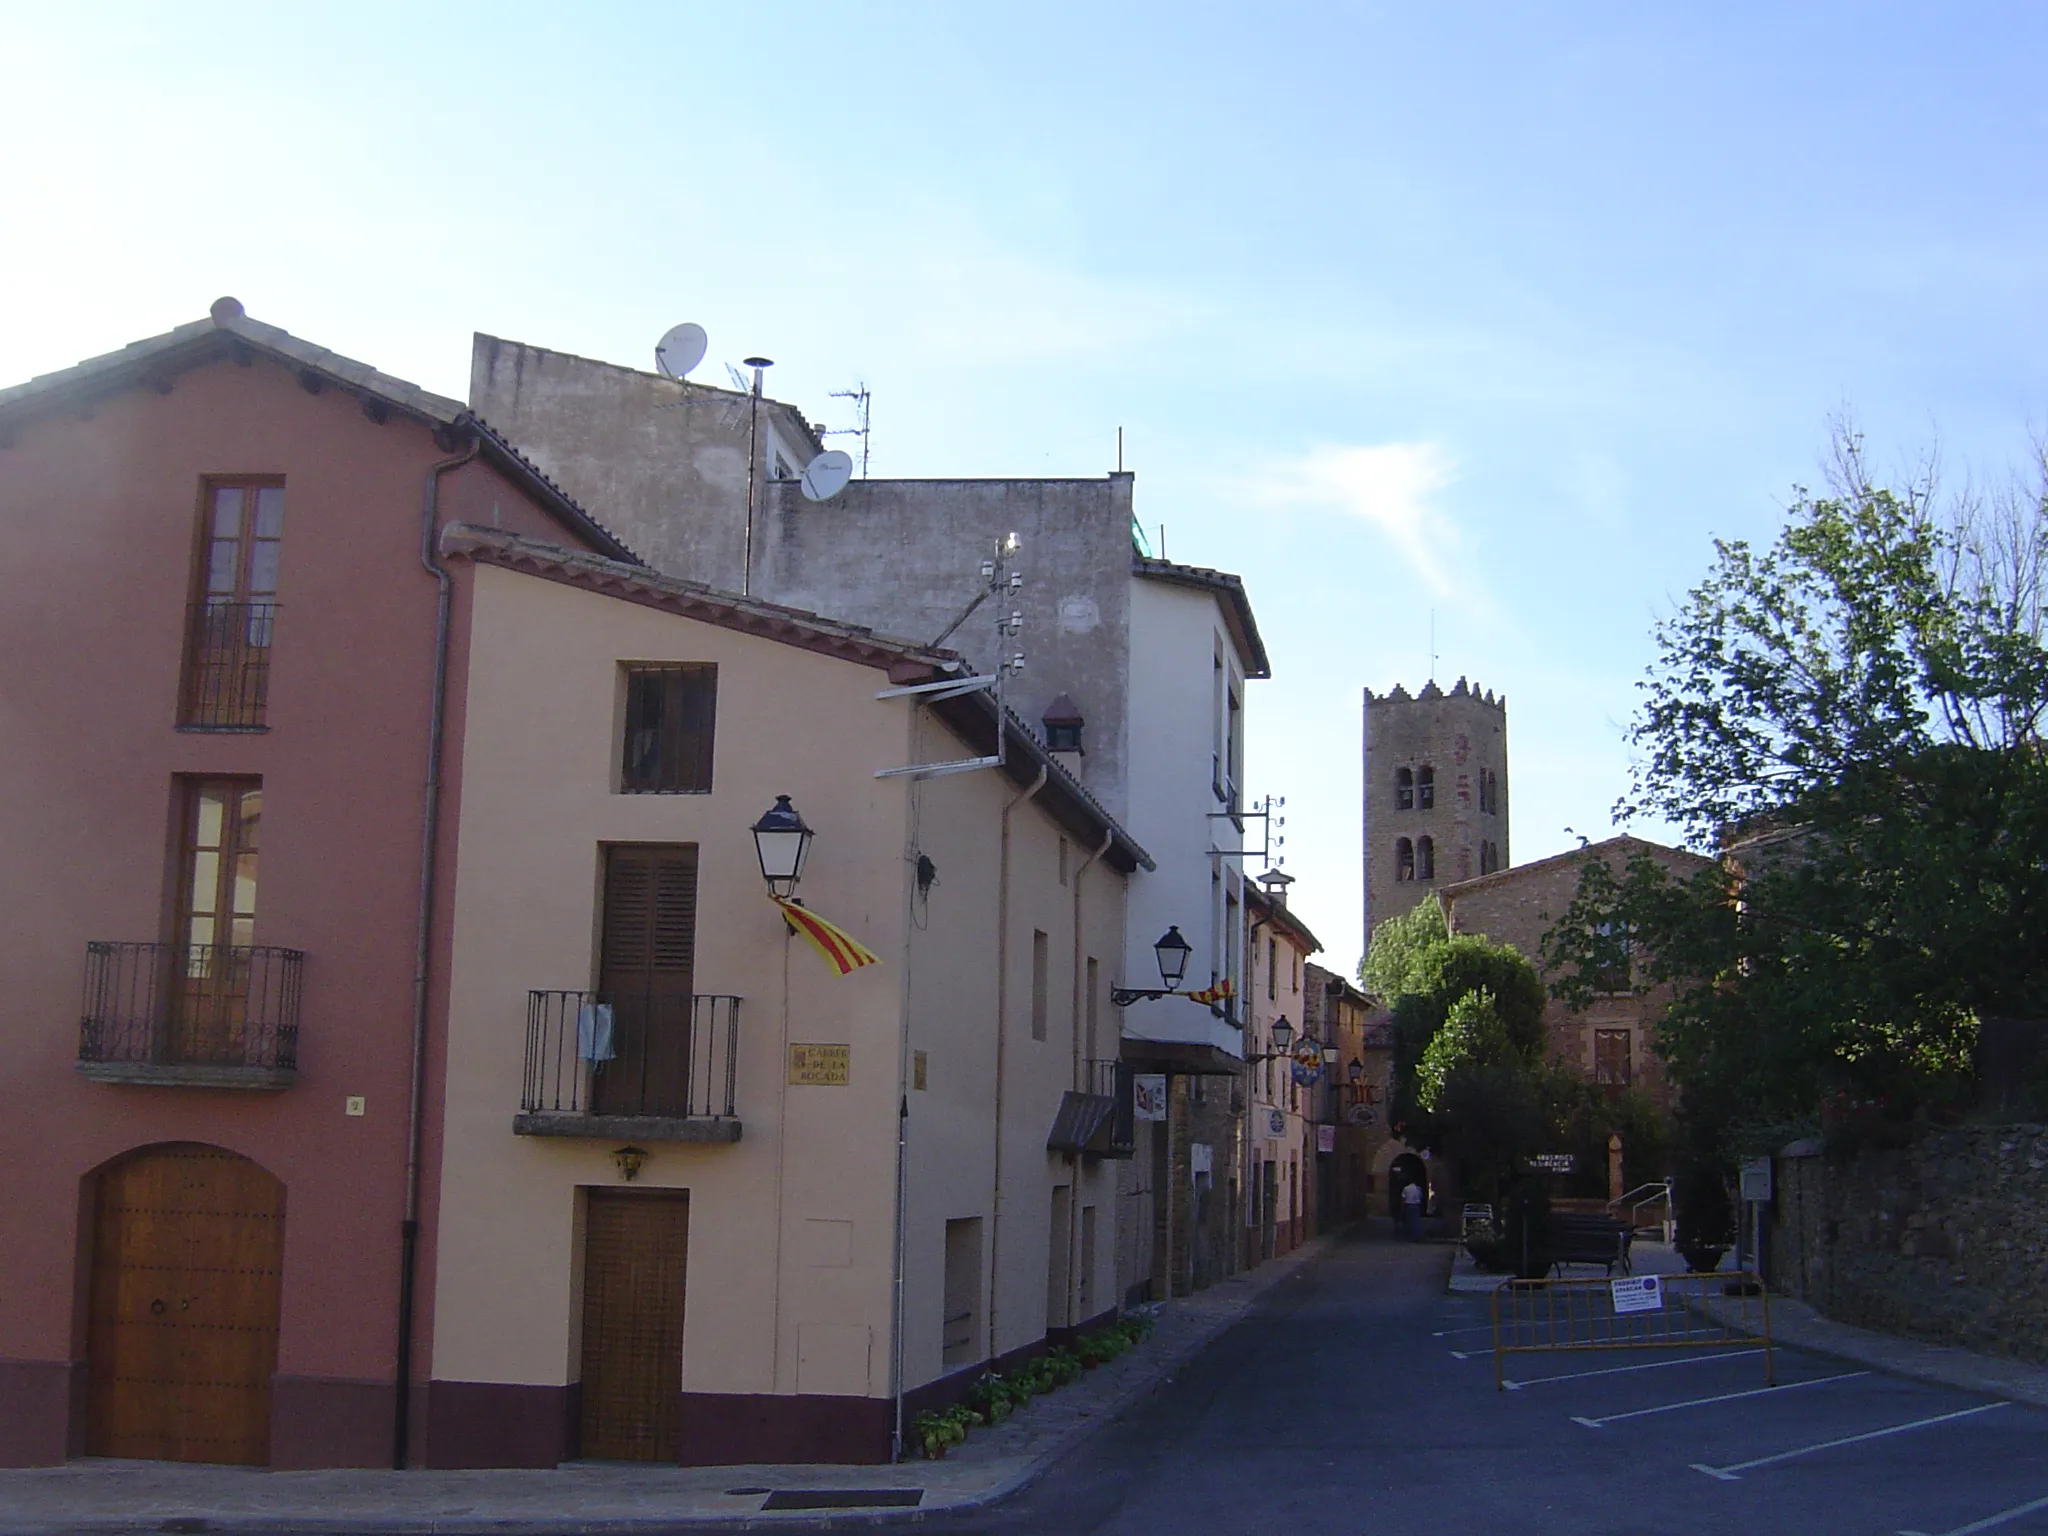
pixel 100 1496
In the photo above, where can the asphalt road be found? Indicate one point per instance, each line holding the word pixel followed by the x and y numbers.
pixel 1341 1405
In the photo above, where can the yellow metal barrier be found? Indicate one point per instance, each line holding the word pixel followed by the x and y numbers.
pixel 1717 1311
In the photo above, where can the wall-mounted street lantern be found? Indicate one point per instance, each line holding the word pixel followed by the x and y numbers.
pixel 1281 1035
pixel 1331 1056
pixel 630 1160
pixel 1357 1070
pixel 1172 953
pixel 780 842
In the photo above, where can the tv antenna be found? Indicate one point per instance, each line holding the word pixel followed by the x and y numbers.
pixel 861 400
pixel 680 350
pixel 1001 580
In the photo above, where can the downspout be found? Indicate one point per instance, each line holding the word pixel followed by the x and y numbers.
pixel 995 1214
pixel 1081 1085
pixel 914 804
pixel 430 821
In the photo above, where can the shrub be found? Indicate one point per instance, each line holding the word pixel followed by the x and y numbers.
pixel 939 1432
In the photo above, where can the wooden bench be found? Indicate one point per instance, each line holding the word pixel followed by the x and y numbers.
pixel 1583 1239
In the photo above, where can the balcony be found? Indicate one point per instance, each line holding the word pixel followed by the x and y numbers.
pixel 632 1067
pixel 1101 1122
pixel 227 666
pixel 191 1015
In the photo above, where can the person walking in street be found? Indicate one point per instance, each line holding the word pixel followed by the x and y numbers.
pixel 1411 1210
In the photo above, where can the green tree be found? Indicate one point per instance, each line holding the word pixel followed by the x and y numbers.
pixel 1852 717
pixel 1472 1035
pixel 1396 944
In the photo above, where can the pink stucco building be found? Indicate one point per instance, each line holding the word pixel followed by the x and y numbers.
pixel 219 890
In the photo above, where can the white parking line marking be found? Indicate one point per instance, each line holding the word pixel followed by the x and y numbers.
pixel 1731 1474
pixel 1444 1333
pixel 1989 1521
pixel 1725 1397
pixel 1618 1370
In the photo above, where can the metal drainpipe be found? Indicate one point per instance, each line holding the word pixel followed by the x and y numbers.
pixel 914 804
pixel 430 818
pixel 1081 1085
pixel 995 1214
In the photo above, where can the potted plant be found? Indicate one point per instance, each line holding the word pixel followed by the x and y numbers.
pixel 1705 1216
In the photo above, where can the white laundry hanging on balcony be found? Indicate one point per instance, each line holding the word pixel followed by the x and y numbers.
pixel 594 1032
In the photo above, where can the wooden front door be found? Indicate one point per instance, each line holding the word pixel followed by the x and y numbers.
pixel 188 1252
pixel 645 972
pixel 635 1246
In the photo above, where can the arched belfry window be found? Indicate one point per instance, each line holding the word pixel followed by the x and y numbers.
pixel 1425 858
pixel 1425 787
pixel 1404 790
pixel 1404 859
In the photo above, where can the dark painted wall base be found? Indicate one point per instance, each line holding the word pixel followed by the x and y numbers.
pixel 500 1424
pixel 721 1429
pixel 42 1411
pixel 318 1421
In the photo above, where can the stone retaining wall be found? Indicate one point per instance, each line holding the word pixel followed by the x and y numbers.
pixel 1946 1239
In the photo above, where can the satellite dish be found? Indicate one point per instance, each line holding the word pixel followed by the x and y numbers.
pixel 681 349
pixel 826 475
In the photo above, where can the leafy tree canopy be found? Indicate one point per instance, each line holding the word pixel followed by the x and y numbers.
pixel 1396 944
pixel 1852 717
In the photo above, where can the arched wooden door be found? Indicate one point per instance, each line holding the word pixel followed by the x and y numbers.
pixel 188 1248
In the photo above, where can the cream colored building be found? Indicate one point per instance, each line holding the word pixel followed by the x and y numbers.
pixel 758 1211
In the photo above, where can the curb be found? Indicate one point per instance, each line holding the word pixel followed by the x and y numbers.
pixel 1034 1465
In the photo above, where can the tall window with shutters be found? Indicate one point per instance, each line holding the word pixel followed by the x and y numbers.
pixel 670 711
pixel 647 973
pixel 233 615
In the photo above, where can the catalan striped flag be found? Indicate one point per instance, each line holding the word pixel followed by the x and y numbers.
pixel 842 951
pixel 1219 993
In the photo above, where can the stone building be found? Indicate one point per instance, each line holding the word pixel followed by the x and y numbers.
pixel 1436 793
pixel 1350 1109
pixel 1609 1041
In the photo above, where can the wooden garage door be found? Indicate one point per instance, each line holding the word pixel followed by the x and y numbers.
pixel 634 1249
pixel 188 1247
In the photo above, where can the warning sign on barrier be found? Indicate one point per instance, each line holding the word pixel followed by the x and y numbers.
pixel 1638 1293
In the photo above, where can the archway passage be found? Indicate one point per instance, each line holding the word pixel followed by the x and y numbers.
pixel 187 1257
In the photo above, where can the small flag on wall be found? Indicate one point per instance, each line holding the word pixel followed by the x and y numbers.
pixel 1219 993
pixel 844 953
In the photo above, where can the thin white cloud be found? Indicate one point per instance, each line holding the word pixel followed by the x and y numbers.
pixel 1391 487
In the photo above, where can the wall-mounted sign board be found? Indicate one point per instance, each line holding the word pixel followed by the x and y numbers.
pixel 818 1066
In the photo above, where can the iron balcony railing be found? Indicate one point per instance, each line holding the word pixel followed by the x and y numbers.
pixel 608 1053
pixel 227 664
pixel 191 1005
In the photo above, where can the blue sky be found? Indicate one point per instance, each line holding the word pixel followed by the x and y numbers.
pixel 1494 312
